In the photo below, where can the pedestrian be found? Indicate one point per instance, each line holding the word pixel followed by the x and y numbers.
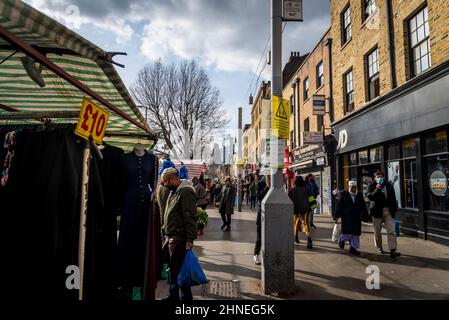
pixel 200 192
pixel 212 192
pixel 227 203
pixel 315 192
pixel 183 172
pixel 262 190
pixel 180 226
pixel 162 194
pixel 351 209
pixel 217 193
pixel 253 194
pixel 383 209
pixel 301 196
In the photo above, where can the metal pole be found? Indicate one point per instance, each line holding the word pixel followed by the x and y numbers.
pixel 239 184
pixel 83 215
pixel 277 209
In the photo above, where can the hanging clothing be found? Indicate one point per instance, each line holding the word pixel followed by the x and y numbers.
pixel 166 164
pixel 139 173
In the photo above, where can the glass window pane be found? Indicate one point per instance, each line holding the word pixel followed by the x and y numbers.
pixel 413 24
pixel 436 183
pixel 421 34
pixel 435 142
pixel 363 157
pixel 414 38
pixel 425 63
pixel 423 48
pixel 394 151
pixel 420 18
pixel 353 158
pixel 374 155
pixel 409 148
pixel 410 184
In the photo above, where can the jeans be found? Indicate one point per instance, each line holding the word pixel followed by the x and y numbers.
pixel 177 250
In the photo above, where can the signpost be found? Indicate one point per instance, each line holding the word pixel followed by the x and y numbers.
pixel 292 10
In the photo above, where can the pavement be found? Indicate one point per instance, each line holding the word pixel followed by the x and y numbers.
pixel 325 272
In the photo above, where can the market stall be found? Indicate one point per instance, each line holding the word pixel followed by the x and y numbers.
pixel 61 191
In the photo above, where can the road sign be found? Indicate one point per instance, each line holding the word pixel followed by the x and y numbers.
pixel 313 137
pixel 292 10
pixel 319 105
pixel 93 121
pixel 281 121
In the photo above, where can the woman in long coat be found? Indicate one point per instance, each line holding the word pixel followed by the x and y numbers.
pixel 227 204
pixel 351 208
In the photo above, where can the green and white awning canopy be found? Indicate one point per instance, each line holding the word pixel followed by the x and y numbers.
pixel 75 55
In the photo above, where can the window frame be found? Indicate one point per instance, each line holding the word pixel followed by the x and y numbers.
pixel 320 123
pixel 346 92
pixel 320 77
pixel 292 104
pixel 307 127
pixel 368 4
pixel 306 87
pixel 426 40
pixel 372 78
pixel 346 30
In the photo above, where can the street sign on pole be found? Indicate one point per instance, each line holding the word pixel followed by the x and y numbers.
pixel 281 122
pixel 292 10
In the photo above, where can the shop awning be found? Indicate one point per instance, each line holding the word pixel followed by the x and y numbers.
pixel 79 58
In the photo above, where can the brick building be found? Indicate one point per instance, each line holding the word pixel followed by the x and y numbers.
pixel 390 72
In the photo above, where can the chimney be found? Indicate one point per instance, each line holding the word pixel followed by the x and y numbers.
pixel 294 55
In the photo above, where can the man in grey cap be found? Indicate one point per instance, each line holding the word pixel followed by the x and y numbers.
pixel 180 226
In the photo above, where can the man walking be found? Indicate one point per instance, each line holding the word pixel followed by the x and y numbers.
pixel 180 227
pixel 227 204
pixel 383 209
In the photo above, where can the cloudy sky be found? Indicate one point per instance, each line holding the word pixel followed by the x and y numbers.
pixel 227 37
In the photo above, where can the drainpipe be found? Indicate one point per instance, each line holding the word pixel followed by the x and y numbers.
pixel 391 46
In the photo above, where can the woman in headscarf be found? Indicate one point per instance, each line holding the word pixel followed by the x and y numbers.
pixel 351 208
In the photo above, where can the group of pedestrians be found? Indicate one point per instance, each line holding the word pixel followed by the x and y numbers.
pixel 352 209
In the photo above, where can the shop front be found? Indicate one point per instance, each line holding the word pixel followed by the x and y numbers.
pixel 312 159
pixel 405 135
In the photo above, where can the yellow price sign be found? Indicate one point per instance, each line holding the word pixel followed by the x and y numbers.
pixel 281 120
pixel 93 121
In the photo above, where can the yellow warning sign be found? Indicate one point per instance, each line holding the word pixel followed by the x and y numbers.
pixel 281 122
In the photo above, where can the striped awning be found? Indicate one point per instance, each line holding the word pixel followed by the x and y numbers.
pixel 79 58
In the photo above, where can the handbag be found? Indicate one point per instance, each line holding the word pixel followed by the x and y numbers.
pixel 336 232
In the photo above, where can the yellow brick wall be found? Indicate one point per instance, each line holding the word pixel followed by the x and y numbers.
pixel 374 32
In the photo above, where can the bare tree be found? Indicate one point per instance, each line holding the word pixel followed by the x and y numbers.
pixel 183 107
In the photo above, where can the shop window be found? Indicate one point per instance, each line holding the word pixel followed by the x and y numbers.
pixel 436 143
pixel 394 151
pixel 436 183
pixel 375 155
pixel 394 177
pixel 409 148
pixel 353 158
pixel 410 184
pixel 363 157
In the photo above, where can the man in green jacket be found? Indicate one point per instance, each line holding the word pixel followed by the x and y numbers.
pixel 180 226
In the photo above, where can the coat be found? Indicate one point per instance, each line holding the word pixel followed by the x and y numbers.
pixel 180 221
pixel 300 198
pixel 227 200
pixel 378 201
pixel 351 213
pixel 200 192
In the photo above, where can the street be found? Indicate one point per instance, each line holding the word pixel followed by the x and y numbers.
pixel 325 272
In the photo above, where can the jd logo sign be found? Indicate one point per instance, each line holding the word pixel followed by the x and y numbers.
pixel 342 139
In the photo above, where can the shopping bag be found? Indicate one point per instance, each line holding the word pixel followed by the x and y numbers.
pixel 336 232
pixel 396 227
pixel 191 273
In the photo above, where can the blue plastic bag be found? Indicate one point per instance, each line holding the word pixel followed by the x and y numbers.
pixel 191 273
pixel 396 227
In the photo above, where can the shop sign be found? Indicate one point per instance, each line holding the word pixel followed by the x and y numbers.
pixel 320 161
pixel 438 183
pixel 342 139
pixel 311 137
pixel 92 121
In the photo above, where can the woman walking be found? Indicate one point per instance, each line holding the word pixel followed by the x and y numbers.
pixel 300 195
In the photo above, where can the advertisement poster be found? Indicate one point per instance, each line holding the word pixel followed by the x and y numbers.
pixel 394 176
